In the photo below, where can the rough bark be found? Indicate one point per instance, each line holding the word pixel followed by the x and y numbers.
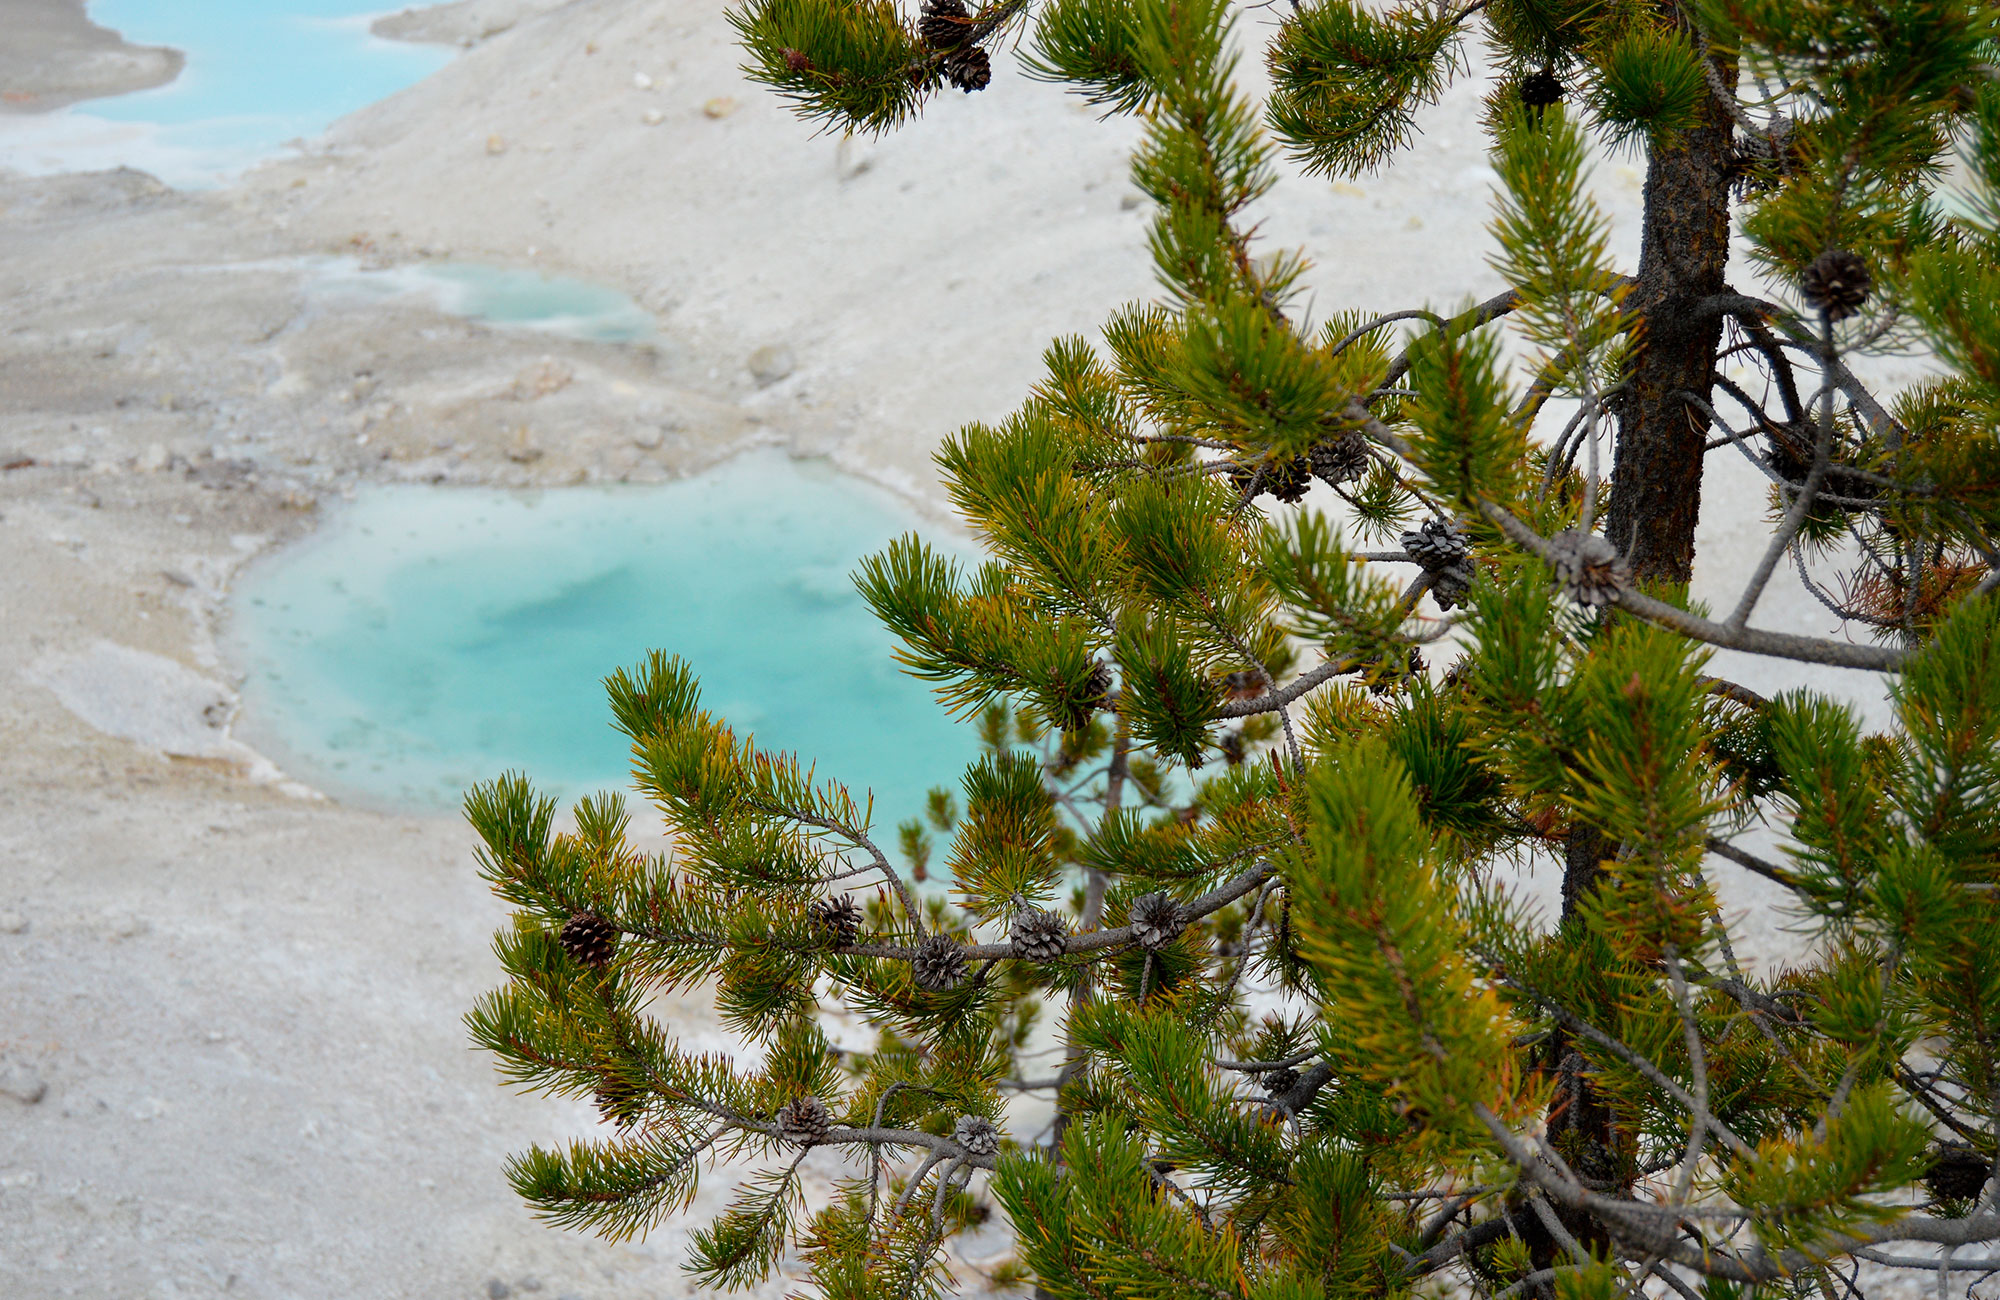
pixel 1586 849
pixel 1683 256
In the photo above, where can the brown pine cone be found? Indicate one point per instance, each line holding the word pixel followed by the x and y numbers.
pixel 977 1135
pixel 1589 567
pixel 804 1120
pixel 1280 1081
pixel 838 920
pixel 968 68
pixel 1837 282
pixel 589 938
pixel 1340 460
pixel 1156 920
pixel 1098 691
pixel 939 964
pixel 1957 1172
pixel 944 25
pixel 1038 935
pixel 1290 480
pixel 1541 89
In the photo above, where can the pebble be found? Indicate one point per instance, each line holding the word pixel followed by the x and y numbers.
pixel 640 81
pixel 771 363
pixel 542 378
pixel 497 1290
pixel 652 117
pixel 720 106
pixel 23 1084
pixel 13 923
pixel 647 439
pixel 496 144
pixel 154 458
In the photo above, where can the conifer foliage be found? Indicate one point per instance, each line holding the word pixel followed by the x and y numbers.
pixel 1235 842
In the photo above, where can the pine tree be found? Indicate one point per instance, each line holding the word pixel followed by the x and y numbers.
pixel 1218 759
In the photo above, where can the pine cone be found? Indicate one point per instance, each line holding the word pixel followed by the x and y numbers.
pixel 619 1103
pixel 1156 920
pixel 1280 1081
pixel 804 1120
pixel 977 1135
pixel 1231 746
pixel 1761 159
pixel 589 938
pixel 1589 568
pixel 1289 480
pixel 939 964
pixel 1340 460
pixel 1957 1172
pixel 1286 480
pixel 1541 89
pixel 944 25
pixel 1384 678
pixel 968 68
pixel 1436 544
pixel 1440 547
pixel 1837 283
pixel 1449 585
pixel 1098 692
pixel 1038 935
pixel 838 920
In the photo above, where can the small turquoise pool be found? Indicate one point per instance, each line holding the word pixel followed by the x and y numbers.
pixel 496 295
pixel 259 73
pixel 426 638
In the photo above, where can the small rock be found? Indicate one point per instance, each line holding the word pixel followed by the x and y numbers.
pixel 719 107
pixel 640 81
pixel 771 363
pixel 496 144
pixel 1130 201
pixel 530 1284
pixel 544 377
pixel 13 923
pixel 497 1290
pixel 647 439
pixel 154 458
pixel 524 455
pixel 23 1084
pixel 128 927
pixel 652 117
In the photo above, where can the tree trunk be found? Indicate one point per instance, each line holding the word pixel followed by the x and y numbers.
pixel 1655 500
pixel 1656 474
pixel 1586 848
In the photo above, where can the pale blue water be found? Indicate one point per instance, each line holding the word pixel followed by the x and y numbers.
pixel 498 295
pixel 426 638
pixel 259 73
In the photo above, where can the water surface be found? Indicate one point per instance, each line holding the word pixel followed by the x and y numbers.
pixel 259 73
pixel 425 638
pixel 497 295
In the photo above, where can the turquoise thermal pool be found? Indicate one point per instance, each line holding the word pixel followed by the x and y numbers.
pixel 259 73
pixel 427 638
pixel 497 295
